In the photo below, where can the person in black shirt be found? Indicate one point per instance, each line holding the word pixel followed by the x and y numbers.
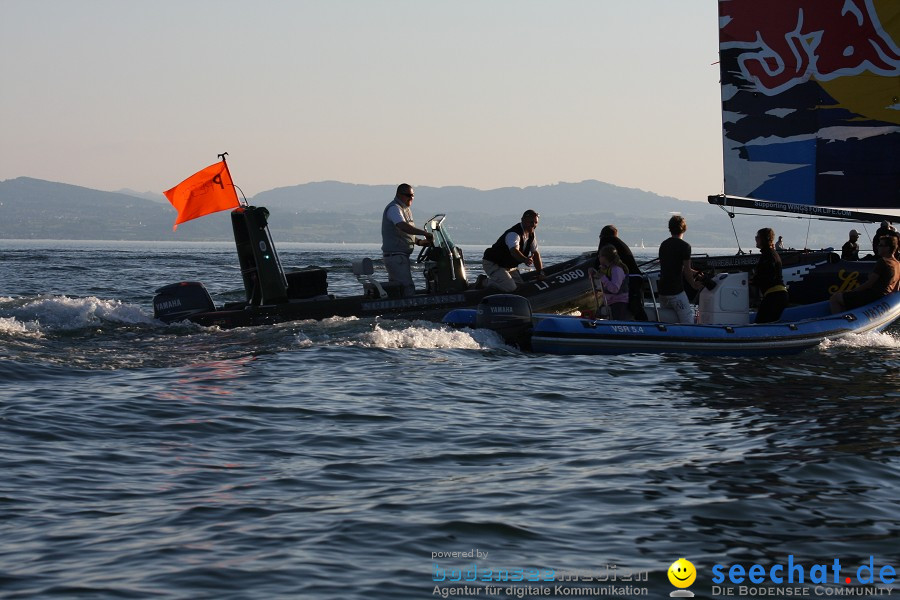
pixel 674 270
pixel 769 279
pixel 609 236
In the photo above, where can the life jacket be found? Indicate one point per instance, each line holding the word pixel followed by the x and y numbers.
pixel 499 253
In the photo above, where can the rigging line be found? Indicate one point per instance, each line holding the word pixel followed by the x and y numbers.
pixel 736 239
pixel 242 193
pixel 866 229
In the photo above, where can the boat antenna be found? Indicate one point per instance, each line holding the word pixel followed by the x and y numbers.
pixel 222 158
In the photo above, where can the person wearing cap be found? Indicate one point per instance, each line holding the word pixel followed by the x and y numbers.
pixel 398 238
pixel 518 245
pixel 850 249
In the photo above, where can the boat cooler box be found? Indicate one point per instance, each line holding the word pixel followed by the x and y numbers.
pixel 728 303
pixel 307 283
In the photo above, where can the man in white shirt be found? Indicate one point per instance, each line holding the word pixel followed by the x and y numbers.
pixel 398 238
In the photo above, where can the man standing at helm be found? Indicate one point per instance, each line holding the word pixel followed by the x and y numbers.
pixel 398 238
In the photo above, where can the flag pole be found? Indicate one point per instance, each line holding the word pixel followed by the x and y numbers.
pixel 222 157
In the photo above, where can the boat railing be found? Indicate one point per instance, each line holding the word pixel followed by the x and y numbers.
pixel 648 264
pixel 651 281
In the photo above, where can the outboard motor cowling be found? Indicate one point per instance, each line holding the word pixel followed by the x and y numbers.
pixel 507 314
pixel 178 301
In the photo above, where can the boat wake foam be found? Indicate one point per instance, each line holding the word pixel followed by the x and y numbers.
pixel 352 331
pixel 872 339
pixel 427 335
pixel 10 326
pixel 62 313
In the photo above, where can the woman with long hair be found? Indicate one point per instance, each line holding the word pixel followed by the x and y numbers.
pixel 614 283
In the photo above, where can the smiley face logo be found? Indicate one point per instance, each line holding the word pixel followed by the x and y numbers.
pixel 682 573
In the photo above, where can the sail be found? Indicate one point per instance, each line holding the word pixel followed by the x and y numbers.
pixel 811 103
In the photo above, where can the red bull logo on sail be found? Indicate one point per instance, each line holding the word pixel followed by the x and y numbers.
pixel 802 39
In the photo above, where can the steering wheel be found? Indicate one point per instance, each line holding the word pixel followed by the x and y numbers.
pixel 424 254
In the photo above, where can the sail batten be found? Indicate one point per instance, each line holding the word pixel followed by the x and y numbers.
pixel 811 104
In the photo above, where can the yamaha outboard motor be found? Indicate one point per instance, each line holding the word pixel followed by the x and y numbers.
pixel 507 314
pixel 178 301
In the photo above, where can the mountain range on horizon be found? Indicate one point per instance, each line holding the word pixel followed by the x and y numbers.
pixel 572 214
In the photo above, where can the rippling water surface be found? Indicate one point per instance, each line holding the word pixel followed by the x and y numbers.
pixel 344 458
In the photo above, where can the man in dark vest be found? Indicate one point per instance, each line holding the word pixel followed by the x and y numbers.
pixel 518 245
pixel 398 238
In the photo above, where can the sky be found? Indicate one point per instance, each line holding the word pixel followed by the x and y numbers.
pixel 112 94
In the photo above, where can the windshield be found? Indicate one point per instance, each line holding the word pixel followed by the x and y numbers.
pixel 435 226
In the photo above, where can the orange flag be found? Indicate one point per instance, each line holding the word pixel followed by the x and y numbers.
pixel 203 193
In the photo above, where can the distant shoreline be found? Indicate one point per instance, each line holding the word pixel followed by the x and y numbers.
pixel 372 247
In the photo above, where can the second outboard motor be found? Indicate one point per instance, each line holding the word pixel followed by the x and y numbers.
pixel 178 301
pixel 507 314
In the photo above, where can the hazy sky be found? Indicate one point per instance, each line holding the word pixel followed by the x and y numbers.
pixel 113 94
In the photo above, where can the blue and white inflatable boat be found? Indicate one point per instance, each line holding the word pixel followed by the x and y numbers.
pixel 724 326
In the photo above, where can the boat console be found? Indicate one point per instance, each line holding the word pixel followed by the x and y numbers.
pixel 445 267
pixel 727 302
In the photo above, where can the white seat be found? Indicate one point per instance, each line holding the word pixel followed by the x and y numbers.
pixel 363 266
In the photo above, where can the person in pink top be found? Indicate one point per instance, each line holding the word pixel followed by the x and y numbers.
pixel 614 283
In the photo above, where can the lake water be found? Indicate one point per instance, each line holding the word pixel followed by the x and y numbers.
pixel 351 458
